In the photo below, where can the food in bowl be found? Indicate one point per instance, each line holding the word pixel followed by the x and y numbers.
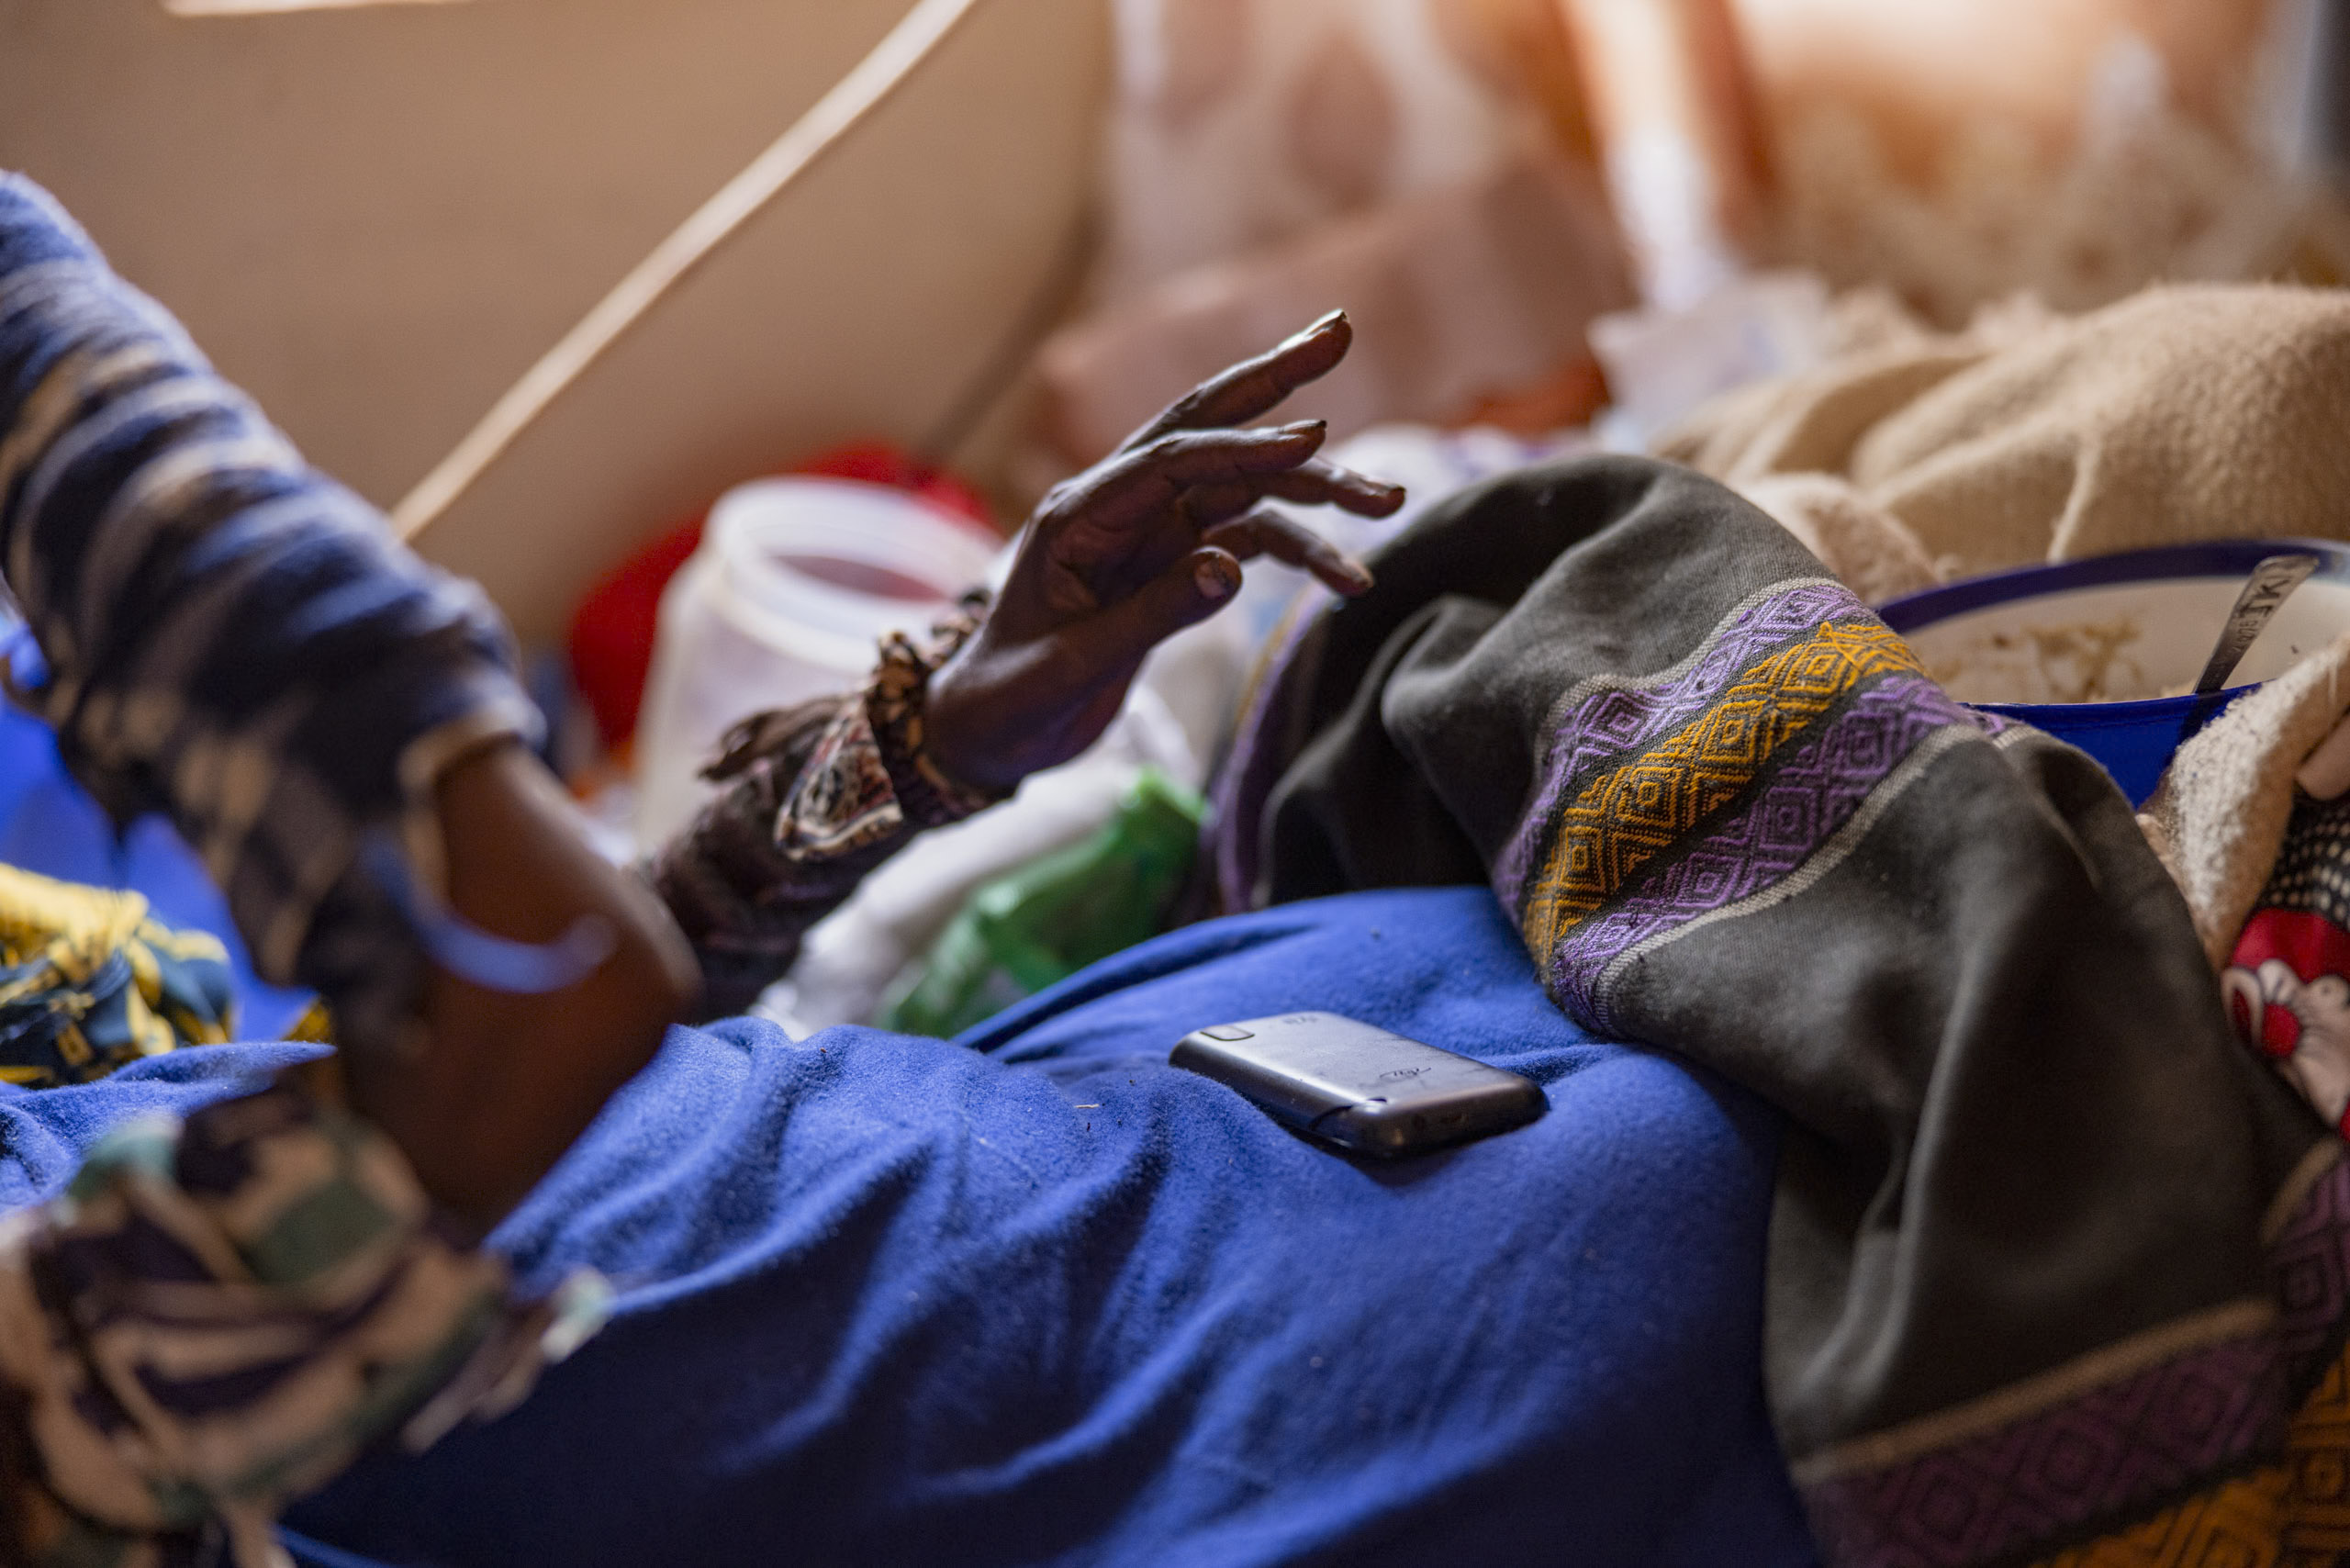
pixel 2117 642
pixel 2104 651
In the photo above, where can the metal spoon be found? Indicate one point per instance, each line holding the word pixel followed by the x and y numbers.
pixel 2272 582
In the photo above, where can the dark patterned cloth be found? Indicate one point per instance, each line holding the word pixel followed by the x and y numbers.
pixel 2058 1272
pixel 218 1316
pixel 815 797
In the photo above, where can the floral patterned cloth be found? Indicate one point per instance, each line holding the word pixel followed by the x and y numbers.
pixel 2287 987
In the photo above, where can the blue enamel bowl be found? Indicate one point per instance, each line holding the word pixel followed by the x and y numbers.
pixel 2102 652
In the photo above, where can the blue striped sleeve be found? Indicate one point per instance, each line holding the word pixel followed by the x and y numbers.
pixel 230 636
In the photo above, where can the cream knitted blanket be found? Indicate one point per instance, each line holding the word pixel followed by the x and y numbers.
pixel 2210 411
pixel 2183 413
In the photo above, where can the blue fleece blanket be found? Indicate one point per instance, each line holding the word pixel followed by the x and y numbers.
pixel 1035 1297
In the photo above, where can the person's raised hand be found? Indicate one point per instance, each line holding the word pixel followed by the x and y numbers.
pixel 1142 545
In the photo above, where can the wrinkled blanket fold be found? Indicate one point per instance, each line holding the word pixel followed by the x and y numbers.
pixel 2179 414
pixel 2057 1268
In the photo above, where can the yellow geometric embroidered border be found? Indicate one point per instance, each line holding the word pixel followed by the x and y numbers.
pixel 2317 1450
pixel 2233 1525
pixel 1629 814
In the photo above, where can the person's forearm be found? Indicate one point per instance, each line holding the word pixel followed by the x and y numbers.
pixel 741 900
pixel 234 640
pixel 504 1081
pixel 230 638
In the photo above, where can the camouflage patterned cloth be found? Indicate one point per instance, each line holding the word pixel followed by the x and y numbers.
pixel 220 1313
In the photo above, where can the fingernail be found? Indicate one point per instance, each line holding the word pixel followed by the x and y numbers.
pixel 1355 572
pixel 1210 577
pixel 1306 427
pixel 1315 331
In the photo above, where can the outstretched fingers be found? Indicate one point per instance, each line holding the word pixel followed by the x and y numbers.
pixel 1130 491
pixel 1192 587
pixel 1288 541
pixel 1319 483
pixel 1314 483
pixel 1256 387
pixel 1126 523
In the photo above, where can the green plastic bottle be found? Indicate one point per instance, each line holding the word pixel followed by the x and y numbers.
pixel 1045 921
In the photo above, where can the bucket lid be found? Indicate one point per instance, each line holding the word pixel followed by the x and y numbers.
pixel 839 558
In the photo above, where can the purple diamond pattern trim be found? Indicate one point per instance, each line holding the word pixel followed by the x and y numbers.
pixel 1801 805
pixel 1615 723
pixel 2134 1442
pixel 2310 1262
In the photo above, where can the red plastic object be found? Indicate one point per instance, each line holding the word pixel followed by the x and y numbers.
pixel 611 633
pixel 879 462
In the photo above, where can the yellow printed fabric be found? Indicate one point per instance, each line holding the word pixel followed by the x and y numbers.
pixel 90 983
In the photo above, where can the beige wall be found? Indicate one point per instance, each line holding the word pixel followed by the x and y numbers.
pixel 374 219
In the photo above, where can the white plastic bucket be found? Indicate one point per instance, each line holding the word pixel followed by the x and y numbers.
pixel 794 582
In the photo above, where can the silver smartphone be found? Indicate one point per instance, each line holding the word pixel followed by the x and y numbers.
pixel 1357 1085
